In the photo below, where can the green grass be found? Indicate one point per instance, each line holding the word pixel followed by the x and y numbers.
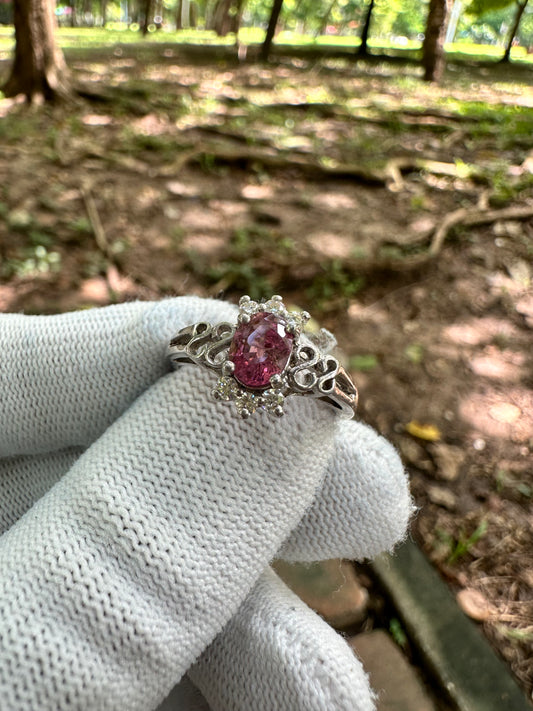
pixel 116 33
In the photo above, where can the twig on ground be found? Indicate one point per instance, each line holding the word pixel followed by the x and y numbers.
pixel 100 236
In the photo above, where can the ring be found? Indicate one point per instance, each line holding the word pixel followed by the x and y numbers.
pixel 263 358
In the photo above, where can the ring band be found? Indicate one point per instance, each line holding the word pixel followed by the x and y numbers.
pixel 263 359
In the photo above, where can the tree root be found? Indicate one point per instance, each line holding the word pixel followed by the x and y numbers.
pixel 473 218
pixel 236 153
pixel 459 218
pixel 395 168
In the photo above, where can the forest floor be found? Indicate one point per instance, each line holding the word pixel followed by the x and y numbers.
pixel 399 214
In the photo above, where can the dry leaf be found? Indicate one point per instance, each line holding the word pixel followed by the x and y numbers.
pixel 428 432
pixel 474 604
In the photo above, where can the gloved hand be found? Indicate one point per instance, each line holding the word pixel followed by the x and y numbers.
pixel 165 512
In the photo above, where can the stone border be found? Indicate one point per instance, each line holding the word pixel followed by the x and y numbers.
pixel 454 650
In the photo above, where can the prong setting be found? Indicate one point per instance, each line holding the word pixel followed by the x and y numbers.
pixel 275 381
pixel 228 368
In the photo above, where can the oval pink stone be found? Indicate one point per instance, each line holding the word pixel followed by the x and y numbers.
pixel 260 349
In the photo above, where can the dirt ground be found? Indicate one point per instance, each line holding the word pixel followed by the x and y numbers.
pixel 240 178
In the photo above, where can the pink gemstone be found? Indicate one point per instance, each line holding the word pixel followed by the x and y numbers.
pixel 260 349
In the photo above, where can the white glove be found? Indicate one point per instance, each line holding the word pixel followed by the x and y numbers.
pixel 119 577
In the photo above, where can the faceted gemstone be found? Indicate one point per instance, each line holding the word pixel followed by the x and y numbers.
pixel 260 349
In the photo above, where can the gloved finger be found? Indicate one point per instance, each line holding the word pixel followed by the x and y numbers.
pixel 23 480
pixel 276 653
pixel 64 379
pixel 118 578
pixel 363 506
pixel 361 509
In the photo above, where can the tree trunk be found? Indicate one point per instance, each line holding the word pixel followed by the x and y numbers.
pixel 521 6
pixel 271 30
pixel 147 17
pixel 433 58
pixel 362 50
pixel 222 17
pixel 39 67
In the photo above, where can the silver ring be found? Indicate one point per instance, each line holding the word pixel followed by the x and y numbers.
pixel 262 359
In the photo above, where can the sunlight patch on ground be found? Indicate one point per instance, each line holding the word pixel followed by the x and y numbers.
pixel 258 192
pixel 331 245
pixel 334 201
pixel 205 244
pixel 500 365
pixel 479 331
pixel 502 414
pixel 151 125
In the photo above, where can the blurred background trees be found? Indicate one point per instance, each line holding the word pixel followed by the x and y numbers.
pixel 372 26
pixel 500 22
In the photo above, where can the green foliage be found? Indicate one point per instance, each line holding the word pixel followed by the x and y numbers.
pixel 81 225
pixel 506 188
pixel 333 281
pixel 405 18
pixel 363 362
pixel 489 20
pixel 414 353
pixel 252 253
pixel 462 544
pixel 33 261
pixel 506 481
pixel 397 632
pixel 242 277
pixel 482 7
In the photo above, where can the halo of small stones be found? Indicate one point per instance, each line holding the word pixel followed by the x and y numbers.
pixel 272 399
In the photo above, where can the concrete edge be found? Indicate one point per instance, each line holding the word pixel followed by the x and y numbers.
pixel 470 673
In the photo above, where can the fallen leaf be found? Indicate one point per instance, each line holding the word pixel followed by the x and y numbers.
pixel 474 604
pixel 428 432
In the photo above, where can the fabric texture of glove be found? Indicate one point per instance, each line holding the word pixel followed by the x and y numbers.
pixel 115 581
pixel 313 667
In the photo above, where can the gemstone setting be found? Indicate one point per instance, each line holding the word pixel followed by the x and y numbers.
pixel 265 357
pixel 260 349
